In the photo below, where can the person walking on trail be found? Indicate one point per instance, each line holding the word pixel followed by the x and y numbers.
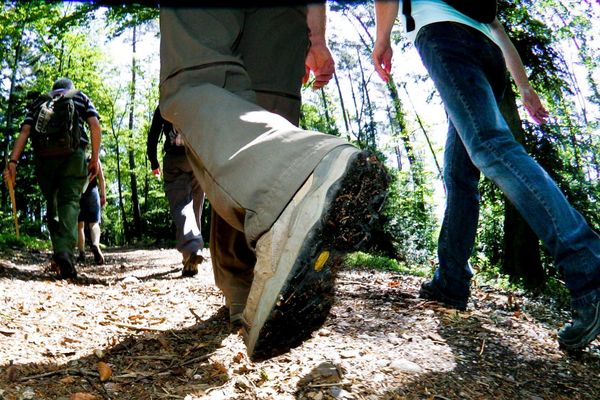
pixel 289 201
pixel 91 203
pixel 467 54
pixel 185 195
pixel 55 124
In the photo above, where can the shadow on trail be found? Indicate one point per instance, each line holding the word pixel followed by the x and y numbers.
pixel 35 266
pixel 486 353
pixel 143 365
pixel 488 363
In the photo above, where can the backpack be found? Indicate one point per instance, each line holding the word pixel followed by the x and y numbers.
pixel 56 130
pixel 482 11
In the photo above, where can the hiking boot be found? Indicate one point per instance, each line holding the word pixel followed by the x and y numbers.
pixel 431 291
pixel 81 257
pixel 584 328
pixel 293 286
pixel 190 265
pixel 98 257
pixel 65 265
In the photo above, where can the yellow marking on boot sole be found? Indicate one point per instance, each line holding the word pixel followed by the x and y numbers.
pixel 321 260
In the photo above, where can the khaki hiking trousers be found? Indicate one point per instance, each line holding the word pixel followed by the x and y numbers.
pixel 221 70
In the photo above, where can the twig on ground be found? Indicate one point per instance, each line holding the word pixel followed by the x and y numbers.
pixel 198 318
pixel 59 372
pixel 138 328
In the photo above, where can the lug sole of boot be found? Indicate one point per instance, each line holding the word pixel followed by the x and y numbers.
pixel 307 294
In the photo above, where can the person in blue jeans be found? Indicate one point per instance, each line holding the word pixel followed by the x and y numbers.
pixel 467 61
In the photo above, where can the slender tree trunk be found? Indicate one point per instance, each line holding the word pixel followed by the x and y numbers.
pixel 416 167
pixel 9 128
pixel 346 124
pixel 371 131
pixel 359 135
pixel 135 204
pixel 125 221
pixel 326 110
pixel 521 245
pixel 420 122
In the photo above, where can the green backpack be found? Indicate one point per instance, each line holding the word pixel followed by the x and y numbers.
pixel 56 130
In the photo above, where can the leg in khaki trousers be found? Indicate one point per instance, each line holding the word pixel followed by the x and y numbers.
pixel 221 69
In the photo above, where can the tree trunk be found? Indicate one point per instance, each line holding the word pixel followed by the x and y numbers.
pixel 346 124
pixel 521 246
pixel 9 129
pixel 359 135
pixel 125 222
pixel 371 132
pixel 415 165
pixel 326 110
pixel 135 204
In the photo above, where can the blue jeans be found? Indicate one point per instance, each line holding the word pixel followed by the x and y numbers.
pixel 469 72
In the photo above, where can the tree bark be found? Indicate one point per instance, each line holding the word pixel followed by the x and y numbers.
pixel 135 204
pixel 521 246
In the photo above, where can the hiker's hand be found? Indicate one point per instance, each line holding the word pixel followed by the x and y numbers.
pixel 533 104
pixel 382 59
pixel 93 169
pixel 102 200
pixel 156 173
pixel 320 61
pixel 10 174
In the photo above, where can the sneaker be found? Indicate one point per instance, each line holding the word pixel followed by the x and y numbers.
pixel 190 265
pixel 65 265
pixel 584 328
pixel 98 257
pixel 81 257
pixel 430 291
pixel 293 287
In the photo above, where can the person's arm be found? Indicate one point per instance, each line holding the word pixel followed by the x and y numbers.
pixel 96 138
pixel 386 12
pixel 101 185
pixel 530 98
pixel 319 59
pixel 10 172
pixel 152 142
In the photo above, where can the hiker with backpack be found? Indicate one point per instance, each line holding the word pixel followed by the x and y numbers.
pixel 185 195
pixel 55 125
pixel 467 53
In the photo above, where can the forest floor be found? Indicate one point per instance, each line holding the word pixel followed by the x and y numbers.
pixel 135 329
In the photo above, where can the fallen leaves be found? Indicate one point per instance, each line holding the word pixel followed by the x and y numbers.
pixel 104 371
pixel 83 396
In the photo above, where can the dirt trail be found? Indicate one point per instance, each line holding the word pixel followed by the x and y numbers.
pixel 155 335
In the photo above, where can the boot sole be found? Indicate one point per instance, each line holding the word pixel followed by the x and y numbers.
pixel 301 298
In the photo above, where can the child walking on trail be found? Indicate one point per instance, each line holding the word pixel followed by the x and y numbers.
pixel 91 203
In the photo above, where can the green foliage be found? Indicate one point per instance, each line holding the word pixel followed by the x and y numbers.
pixel 409 225
pixel 381 263
pixel 9 241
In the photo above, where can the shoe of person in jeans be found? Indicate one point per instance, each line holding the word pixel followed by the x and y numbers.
pixel 190 264
pixel 81 257
pixel 64 262
pixel 431 291
pixel 293 286
pixel 583 329
pixel 98 257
